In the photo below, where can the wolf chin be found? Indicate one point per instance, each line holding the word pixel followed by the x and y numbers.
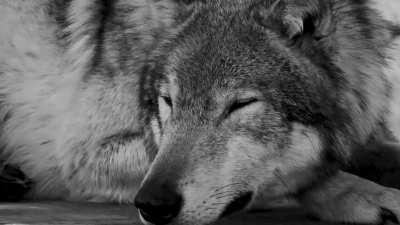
pixel 197 109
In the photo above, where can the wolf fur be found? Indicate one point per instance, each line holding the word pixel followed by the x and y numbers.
pixel 224 100
pixel 70 107
pixel 267 99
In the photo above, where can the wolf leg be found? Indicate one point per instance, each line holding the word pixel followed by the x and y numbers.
pixel 351 199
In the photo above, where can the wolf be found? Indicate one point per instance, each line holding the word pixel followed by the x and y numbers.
pixel 194 110
pixel 261 100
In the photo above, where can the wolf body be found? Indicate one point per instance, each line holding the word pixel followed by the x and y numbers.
pixel 70 103
pixel 221 103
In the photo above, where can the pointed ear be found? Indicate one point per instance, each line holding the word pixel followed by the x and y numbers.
pixel 297 17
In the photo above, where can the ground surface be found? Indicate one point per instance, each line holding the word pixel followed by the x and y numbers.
pixel 45 213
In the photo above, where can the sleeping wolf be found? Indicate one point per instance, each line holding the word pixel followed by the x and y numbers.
pixel 234 104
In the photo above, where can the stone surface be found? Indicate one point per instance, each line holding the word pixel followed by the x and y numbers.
pixel 62 213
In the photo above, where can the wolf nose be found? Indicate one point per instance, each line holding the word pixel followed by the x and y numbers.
pixel 158 205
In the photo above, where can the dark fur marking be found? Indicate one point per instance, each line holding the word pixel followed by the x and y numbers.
pixel 58 11
pixel 378 162
pixel 150 144
pixel 361 13
pixel 105 11
pixel 83 160
pixel 77 163
pixel 122 137
pixel 395 30
pixel 31 55
pixel 7 116
pixel 3 107
pixel 148 94
pixel 362 100
pixel 45 142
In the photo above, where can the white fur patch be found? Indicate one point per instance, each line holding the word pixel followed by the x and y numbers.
pixel 390 10
pixel 393 73
pixel 164 110
pixel 306 146
pixel 156 130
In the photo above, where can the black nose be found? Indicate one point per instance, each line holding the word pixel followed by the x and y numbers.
pixel 158 204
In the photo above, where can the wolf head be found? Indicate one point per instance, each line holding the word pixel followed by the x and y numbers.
pixel 260 96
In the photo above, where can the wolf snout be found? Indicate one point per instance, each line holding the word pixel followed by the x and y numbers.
pixel 158 203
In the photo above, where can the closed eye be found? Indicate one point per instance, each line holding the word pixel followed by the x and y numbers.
pixel 240 104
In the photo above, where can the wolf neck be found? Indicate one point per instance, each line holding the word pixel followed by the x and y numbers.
pixel 393 73
pixel 389 11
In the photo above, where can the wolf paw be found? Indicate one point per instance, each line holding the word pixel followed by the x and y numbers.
pixel 351 199
pixel 365 206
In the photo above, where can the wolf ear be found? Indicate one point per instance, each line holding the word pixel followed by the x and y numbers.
pixel 297 17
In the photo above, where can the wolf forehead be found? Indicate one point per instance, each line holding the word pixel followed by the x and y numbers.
pixel 226 51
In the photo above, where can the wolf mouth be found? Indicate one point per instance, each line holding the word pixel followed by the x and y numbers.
pixel 237 204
